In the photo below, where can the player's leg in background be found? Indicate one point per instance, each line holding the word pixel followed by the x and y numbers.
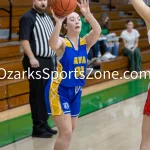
pixel 64 126
pixel 145 144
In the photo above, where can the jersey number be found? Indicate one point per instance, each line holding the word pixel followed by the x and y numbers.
pixel 79 71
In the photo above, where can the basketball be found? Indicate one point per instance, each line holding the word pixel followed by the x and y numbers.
pixel 63 7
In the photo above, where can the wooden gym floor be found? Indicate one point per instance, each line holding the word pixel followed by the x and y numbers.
pixel 117 127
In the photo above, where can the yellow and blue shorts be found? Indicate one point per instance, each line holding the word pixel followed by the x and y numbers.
pixel 62 100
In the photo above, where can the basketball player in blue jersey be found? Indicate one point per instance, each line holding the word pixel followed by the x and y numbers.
pixel 144 12
pixel 63 95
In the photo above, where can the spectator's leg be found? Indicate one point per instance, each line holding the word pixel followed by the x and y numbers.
pixel 96 49
pixel 103 47
pixel 130 55
pixel 109 49
pixel 90 54
pixel 115 49
pixel 138 59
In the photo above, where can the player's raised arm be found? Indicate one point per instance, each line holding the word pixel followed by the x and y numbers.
pixel 55 41
pixel 94 35
pixel 142 9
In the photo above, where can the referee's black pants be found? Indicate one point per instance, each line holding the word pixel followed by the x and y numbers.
pixel 37 88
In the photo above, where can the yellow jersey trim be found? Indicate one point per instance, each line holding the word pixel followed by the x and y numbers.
pixel 55 104
pixel 82 41
pixel 68 44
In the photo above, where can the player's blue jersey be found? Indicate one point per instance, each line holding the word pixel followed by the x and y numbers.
pixel 72 60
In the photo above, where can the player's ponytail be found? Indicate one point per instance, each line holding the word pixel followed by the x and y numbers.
pixel 64 30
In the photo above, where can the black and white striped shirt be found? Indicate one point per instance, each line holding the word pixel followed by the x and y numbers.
pixel 37 28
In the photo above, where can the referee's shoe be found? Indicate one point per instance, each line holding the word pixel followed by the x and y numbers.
pixel 43 131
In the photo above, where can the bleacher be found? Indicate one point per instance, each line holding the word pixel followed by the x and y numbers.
pixel 14 93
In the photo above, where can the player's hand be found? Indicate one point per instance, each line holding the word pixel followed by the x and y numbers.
pixel 84 7
pixel 57 18
pixel 34 63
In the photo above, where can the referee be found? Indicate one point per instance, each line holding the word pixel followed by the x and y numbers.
pixel 35 28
